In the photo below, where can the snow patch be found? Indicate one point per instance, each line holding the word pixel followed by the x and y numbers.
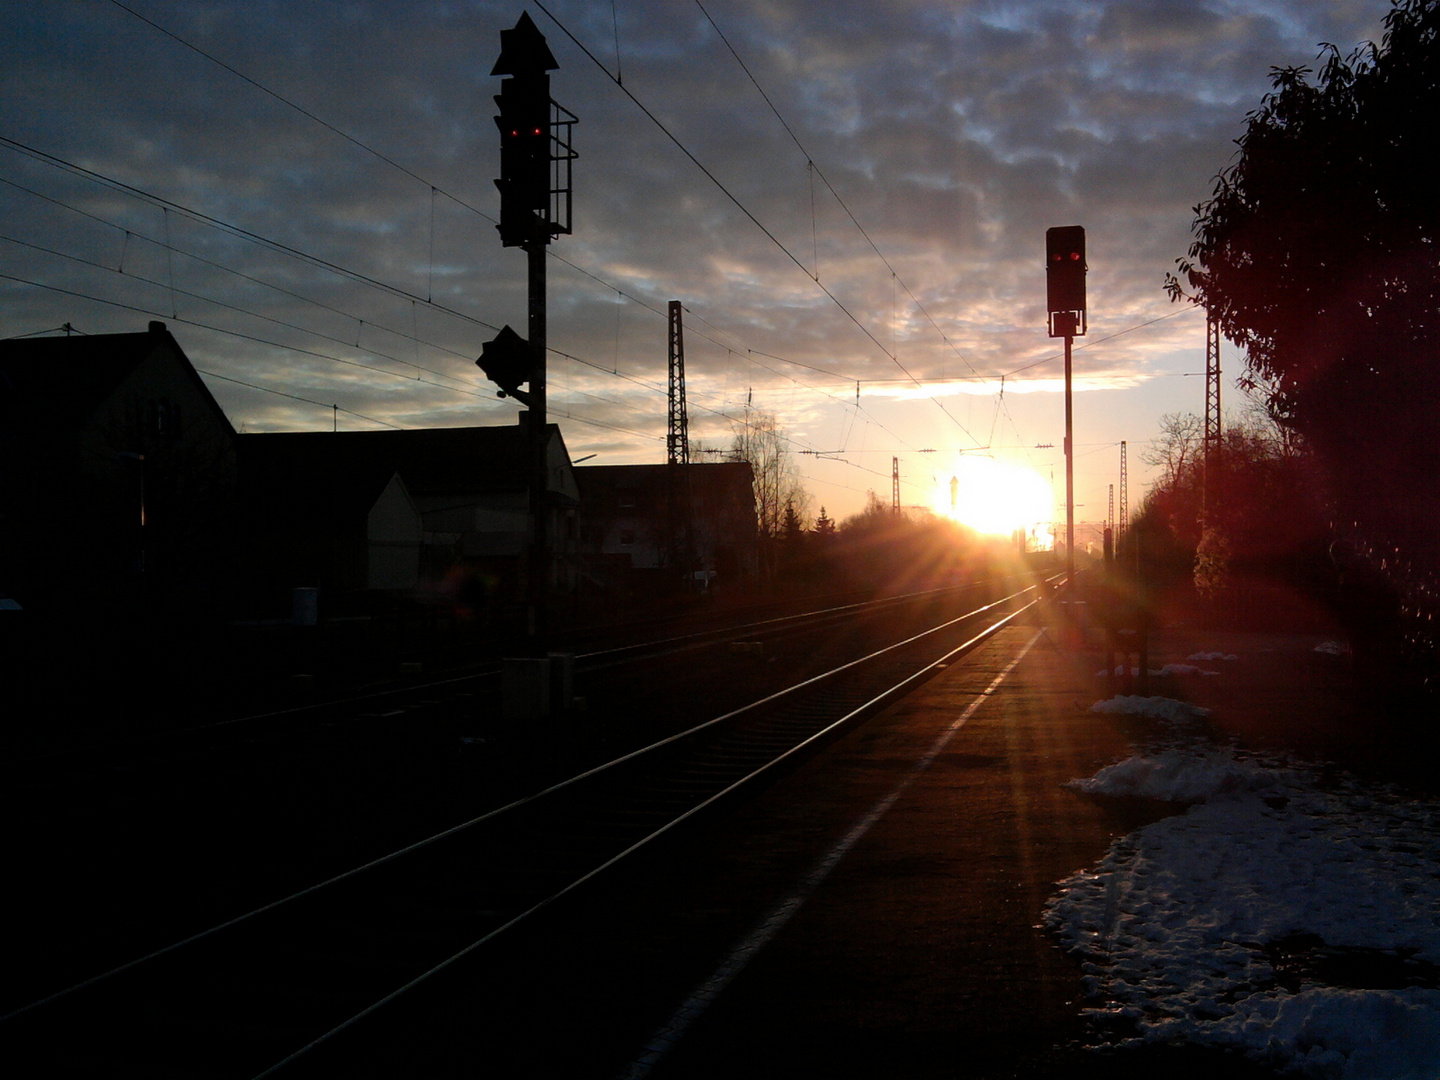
pixel 1180 928
pixel 1164 709
pixel 1185 669
pixel 1178 775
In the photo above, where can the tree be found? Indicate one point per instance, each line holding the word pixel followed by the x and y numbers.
pixel 824 528
pixel 760 441
pixel 1176 449
pixel 1317 254
pixel 1247 512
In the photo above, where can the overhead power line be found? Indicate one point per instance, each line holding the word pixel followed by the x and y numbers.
pixel 736 201
pixel 297 107
pixel 435 188
pixel 810 163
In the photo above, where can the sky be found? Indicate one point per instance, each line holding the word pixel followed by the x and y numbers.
pixel 849 199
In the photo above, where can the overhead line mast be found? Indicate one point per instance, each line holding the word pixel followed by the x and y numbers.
pixel 1212 406
pixel 677 446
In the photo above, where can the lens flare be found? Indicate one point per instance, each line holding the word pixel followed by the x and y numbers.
pixel 996 498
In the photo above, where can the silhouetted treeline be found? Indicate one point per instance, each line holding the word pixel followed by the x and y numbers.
pixel 1250 515
pixel 881 551
pixel 1316 254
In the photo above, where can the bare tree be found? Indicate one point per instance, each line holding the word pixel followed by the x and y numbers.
pixel 760 441
pixel 1176 450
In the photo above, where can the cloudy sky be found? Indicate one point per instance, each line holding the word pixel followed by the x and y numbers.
pixel 849 199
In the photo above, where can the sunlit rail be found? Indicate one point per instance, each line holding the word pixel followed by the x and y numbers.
pixel 734 751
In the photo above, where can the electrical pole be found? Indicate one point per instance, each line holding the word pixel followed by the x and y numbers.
pixel 1065 299
pixel 1110 530
pixel 1124 492
pixel 895 486
pixel 677 447
pixel 677 442
pixel 1211 442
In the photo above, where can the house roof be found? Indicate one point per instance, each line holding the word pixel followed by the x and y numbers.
pixel 706 477
pixel 308 488
pixel 431 461
pixel 59 382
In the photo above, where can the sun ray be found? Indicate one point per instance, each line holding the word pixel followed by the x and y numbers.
pixel 995 498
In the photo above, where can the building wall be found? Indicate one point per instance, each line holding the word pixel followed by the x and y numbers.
pixel 393 534
pixel 126 509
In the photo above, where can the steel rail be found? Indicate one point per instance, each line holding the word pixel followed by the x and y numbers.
pixel 569 784
pixel 593 658
pixel 730 791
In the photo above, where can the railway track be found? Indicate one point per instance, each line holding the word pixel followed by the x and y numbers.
pixel 284 989
pixel 475 683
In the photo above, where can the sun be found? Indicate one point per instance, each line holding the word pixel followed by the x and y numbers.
pixel 994 497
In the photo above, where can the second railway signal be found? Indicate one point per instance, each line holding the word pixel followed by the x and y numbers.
pixel 508 361
pixel 1065 302
pixel 1065 279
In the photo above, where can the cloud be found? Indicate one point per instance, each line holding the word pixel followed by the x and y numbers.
pixel 896 226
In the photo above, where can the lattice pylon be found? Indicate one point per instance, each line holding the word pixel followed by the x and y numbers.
pixel 677 447
pixel 677 441
pixel 1124 520
pixel 1213 433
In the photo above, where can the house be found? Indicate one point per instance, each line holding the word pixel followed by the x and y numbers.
pixel 117 477
pixel 634 527
pixel 317 519
pixel 397 509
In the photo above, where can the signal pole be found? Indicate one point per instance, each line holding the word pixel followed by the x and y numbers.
pixel 534 183
pixel 1065 300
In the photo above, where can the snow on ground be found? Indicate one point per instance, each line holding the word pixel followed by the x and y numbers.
pixel 1281 913
pixel 1168 669
pixel 1167 710
pixel 1185 669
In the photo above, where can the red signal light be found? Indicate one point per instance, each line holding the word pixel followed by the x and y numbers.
pixel 1065 273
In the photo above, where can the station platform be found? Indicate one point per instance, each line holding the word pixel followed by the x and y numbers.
pixel 921 952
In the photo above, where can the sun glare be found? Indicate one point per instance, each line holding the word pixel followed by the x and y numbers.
pixel 996 498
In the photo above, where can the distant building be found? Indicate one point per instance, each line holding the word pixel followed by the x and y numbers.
pixel 314 517
pixel 633 534
pixel 117 477
pixel 437 508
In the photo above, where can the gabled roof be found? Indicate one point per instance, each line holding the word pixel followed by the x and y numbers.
pixel 706 477
pixel 59 382
pixel 431 461
pixel 308 488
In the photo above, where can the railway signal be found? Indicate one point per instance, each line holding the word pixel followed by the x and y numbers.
pixel 1065 280
pixel 1065 301
pixel 534 183
pixel 508 361
pixel 524 123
